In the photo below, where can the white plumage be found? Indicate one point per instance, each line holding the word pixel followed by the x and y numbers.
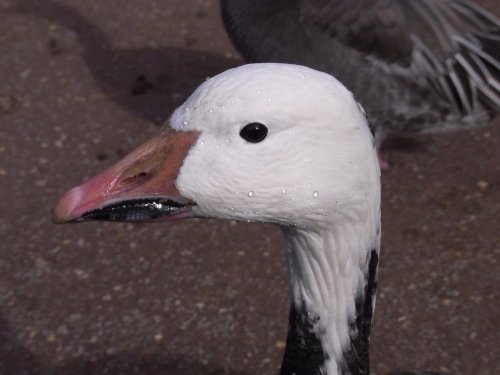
pixel 320 152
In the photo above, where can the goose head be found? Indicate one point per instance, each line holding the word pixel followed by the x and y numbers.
pixel 273 143
pixel 262 142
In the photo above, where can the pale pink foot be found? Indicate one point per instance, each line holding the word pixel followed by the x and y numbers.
pixel 384 165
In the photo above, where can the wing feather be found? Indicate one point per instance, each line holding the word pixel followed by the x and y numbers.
pixel 452 44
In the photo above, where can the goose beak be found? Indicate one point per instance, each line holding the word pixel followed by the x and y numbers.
pixel 139 188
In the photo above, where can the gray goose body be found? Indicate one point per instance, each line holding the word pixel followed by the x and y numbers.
pixel 415 66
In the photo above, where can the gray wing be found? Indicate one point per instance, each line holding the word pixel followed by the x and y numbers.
pixel 453 44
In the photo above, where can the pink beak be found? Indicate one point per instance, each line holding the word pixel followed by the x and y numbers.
pixel 140 187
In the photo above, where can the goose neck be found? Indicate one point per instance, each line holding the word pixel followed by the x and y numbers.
pixel 332 293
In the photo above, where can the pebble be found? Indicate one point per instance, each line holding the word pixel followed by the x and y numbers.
pixel 482 184
pixel 446 301
pixel 39 183
pixel 200 305
pixel 158 337
pixel 111 351
pixel 280 344
pixel 51 338
pixel 81 274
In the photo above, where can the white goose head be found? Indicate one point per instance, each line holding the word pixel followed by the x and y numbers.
pixel 316 150
pixel 274 143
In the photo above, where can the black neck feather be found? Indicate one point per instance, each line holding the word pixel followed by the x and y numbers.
pixel 303 353
pixel 357 358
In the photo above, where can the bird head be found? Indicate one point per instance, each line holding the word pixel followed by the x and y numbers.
pixel 262 142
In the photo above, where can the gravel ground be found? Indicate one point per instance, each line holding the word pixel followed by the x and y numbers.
pixel 82 83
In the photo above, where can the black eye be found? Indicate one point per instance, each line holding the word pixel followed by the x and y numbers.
pixel 254 132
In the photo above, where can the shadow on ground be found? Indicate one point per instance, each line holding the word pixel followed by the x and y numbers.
pixel 17 360
pixel 147 82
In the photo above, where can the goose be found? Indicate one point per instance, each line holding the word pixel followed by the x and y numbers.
pixel 415 65
pixel 273 143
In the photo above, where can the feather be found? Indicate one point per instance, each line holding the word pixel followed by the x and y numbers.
pixel 430 61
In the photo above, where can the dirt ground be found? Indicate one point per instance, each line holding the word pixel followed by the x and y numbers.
pixel 82 83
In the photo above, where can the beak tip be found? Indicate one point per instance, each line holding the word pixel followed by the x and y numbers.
pixel 66 208
pixel 59 217
pixel 56 219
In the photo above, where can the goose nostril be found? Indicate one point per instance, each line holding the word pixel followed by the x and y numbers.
pixel 134 179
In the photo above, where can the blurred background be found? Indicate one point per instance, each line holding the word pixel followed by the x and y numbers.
pixel 81 84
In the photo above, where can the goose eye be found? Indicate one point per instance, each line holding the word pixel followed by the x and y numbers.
pixel 254 132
